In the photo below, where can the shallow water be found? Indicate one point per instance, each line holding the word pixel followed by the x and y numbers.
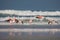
pixel 30 26
pixel 30 35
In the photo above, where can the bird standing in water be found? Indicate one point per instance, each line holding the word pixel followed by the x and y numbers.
pixel 40 17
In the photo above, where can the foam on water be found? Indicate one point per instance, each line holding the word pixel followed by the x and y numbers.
pixel 26 14
pixel 29 12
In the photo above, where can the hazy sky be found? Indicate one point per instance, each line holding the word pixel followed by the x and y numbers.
pixel 30 4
